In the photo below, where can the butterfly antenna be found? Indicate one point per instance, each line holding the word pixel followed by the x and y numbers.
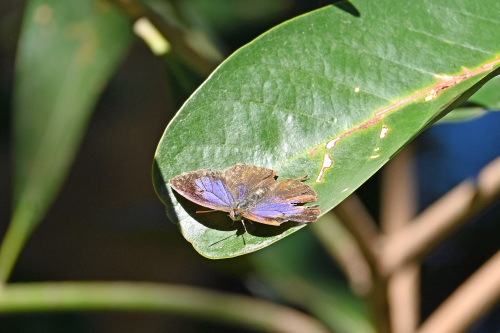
pixel 303 177
pixel 206 211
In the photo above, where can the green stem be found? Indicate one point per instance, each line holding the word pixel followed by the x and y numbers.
pixel 173 34
pixel 128 296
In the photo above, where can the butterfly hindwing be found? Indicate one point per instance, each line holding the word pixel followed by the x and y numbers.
pixel 279 204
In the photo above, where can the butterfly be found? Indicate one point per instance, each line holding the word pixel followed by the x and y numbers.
pixel 249 192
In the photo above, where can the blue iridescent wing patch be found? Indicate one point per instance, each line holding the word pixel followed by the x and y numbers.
pixel 205 187
pixel 249 192
pixel 279 204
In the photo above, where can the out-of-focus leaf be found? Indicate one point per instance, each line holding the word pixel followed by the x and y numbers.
pixel 332 94
pixel 67 51
pixel 463 114
pixel 226 14
pixel 489 95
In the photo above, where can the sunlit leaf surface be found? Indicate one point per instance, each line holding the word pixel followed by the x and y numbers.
pixel 332 94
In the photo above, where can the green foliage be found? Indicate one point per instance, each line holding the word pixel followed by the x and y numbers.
pixel 67 52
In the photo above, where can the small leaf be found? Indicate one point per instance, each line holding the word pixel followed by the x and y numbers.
pixel 331 95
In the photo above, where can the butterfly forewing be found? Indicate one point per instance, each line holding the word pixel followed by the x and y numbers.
pixel 243 179
pixel 293 191
pixel 205 187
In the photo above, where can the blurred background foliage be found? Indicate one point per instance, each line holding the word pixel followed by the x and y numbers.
pixel 108 224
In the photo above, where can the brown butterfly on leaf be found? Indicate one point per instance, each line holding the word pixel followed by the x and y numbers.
pixel 249 192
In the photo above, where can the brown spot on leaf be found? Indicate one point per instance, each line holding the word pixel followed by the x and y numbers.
pixel 312 152
pixel 445 82
pixel 370 122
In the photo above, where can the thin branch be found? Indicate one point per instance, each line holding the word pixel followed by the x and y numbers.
pixel 175 36
pixel 471 300
pixel 344 251
pixel 398 207
pixel 440 219
pixel 149 297
pixel 404 298
pixel 379 304
pixel 355 218
pixel 398 192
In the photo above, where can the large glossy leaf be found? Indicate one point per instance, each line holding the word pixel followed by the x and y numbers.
pixel 67 51
pixel 333 94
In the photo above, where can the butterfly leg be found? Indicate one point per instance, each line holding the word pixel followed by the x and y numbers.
pixel 244 225
pixel 303 177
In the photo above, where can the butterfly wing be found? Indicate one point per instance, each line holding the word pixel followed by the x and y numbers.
pixel 277 213
pixel 205 187
pixel 244 179
pixel 252 190
pixel 278 204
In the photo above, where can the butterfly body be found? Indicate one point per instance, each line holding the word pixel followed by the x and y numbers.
pixel 249 192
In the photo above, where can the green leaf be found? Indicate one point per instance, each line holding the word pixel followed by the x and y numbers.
pixel 224 15
pixel 488 96
pixel 463 114
pixel 348 86
pixel 67 52
pixel 198 303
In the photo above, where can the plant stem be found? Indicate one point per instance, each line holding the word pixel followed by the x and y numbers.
pixel 398 207
pixel 128 296
pixel 342 248
pixel 451 211
pixel 356 219
pixel 471 300
pixel 353 215
pixel 379 304
pixel 173 34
